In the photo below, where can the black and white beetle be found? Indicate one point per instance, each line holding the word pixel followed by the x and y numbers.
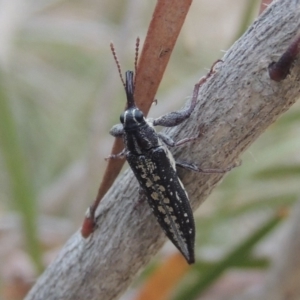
pixel 155 168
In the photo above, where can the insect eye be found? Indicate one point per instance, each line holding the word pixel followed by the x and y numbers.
pixel 122 118
pixel 139 116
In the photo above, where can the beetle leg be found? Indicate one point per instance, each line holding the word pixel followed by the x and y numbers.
pixel 142 198
pixel 177 117
pixel 171 143
pixel 122 154
pixel 195 168
pixel 117 130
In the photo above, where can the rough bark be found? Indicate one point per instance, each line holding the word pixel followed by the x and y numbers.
pixel 235 106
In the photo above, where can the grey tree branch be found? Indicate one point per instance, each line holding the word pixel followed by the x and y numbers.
pixel 235 106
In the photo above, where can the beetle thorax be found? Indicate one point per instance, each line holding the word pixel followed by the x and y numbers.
pixel 132 119
pixel 139 134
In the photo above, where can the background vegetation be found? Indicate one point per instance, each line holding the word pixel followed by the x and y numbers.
pixel 60 94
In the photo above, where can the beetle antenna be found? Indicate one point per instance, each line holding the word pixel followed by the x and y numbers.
pixel 117 63
pixel 137 46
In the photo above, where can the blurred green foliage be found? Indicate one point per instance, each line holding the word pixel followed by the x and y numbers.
pixel 60 93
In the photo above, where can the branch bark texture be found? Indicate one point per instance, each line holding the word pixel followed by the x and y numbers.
pixel 235 106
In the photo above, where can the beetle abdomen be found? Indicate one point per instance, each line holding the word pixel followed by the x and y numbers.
pixel 166 196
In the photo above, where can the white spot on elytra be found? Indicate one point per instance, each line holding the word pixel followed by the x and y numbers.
pixel 155 196
pixel 149 183
pixel 161 209
pixel 166 200
pixel 156 178
pixel 167 221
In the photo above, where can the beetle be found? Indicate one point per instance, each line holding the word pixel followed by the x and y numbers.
pixel 154 167
pixel 148 155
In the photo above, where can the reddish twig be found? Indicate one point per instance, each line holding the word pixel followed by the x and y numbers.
pixel 263 5
pixel 168 18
